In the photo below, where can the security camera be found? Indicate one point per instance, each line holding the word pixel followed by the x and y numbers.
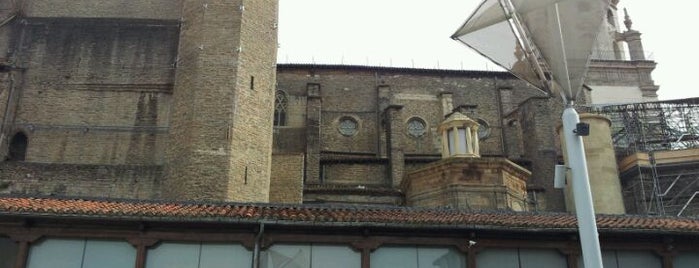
pixel 471 243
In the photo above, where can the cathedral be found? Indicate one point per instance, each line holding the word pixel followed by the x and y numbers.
pixel 163 133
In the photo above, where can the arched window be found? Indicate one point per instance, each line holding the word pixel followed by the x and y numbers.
pixel 281 101
pixel 610 18
pixel 18 147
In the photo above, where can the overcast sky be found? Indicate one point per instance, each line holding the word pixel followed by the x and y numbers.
pixel 415 33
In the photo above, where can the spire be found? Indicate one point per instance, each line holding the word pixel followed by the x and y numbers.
pixel 627 20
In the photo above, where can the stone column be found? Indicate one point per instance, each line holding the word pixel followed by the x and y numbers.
pixel 313 113
pixel 602 168
pixel 633 40
pixel 468 140
pixel 476 145
pixel 394 137
pixel 445 144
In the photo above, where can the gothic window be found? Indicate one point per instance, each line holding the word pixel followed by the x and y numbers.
pixel 416 127
pixel 18 147
pixel 610 18
pixel 348 126
pixel 281 102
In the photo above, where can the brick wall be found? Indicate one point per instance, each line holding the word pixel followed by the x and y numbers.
pixel 364 93
pixel 287 178
pixel 142 9
pixel 252 123
pixel 539 118
pixel 221 131
pixel 355 174
pixel 353 92
pixel 94 92
pixel 115 181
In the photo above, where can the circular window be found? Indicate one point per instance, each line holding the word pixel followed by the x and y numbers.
pixel 348 126
pixel 416 127
pixel 483 129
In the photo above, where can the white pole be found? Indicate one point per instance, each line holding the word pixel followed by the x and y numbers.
pixel 587 225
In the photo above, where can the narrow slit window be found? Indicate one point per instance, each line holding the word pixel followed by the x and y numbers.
pixel 18 147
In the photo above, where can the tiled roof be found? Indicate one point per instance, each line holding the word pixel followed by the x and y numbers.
pixel 327 215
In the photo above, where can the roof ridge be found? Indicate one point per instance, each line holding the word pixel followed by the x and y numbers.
pixel 326 214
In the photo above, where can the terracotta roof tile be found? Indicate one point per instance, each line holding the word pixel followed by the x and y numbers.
pixel 325 214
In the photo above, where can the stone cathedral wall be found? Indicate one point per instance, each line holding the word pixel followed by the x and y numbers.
pixel 90 86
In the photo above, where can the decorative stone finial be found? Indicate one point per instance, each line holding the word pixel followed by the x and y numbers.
pixel 627 20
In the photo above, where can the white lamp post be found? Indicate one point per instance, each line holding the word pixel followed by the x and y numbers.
pixel 502 29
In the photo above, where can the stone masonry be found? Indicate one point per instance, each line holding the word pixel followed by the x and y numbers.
pixel 221 122
pixel 175 99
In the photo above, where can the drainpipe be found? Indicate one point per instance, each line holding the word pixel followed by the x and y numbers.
pixel 256 251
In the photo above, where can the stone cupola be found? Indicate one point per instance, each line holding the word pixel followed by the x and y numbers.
pixel 463 179
pixel 459 136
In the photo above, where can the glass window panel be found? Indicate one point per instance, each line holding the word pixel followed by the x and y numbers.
pixel 451 141
pixel 8 252
pixel 109 254
pixel 498 258
pixel 287 256
pixel 613 259
pixel 638 259
pixel 542 258
pixel 609 259
pixel 348 126
pixel 462 140
pixel 51 253
pixel 687 260
pixel 169 255
pixel 225 255
pixel 440 258
pixel 325 256
pixel 403 257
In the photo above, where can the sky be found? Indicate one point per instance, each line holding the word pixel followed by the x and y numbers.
pixel 416 33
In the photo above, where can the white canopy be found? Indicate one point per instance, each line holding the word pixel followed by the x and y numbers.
pixel 537 38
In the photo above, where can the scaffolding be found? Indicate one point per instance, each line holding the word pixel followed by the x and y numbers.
pixel 657 144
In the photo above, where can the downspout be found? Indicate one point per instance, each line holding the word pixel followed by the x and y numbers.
pixel 258 242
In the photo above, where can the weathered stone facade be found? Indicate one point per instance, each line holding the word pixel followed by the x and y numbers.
pixel 601 166
pixel 383 101
pixel 109 98
pixel 286 183
pixel 94 85
pixel 220 131
pixel 490 183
